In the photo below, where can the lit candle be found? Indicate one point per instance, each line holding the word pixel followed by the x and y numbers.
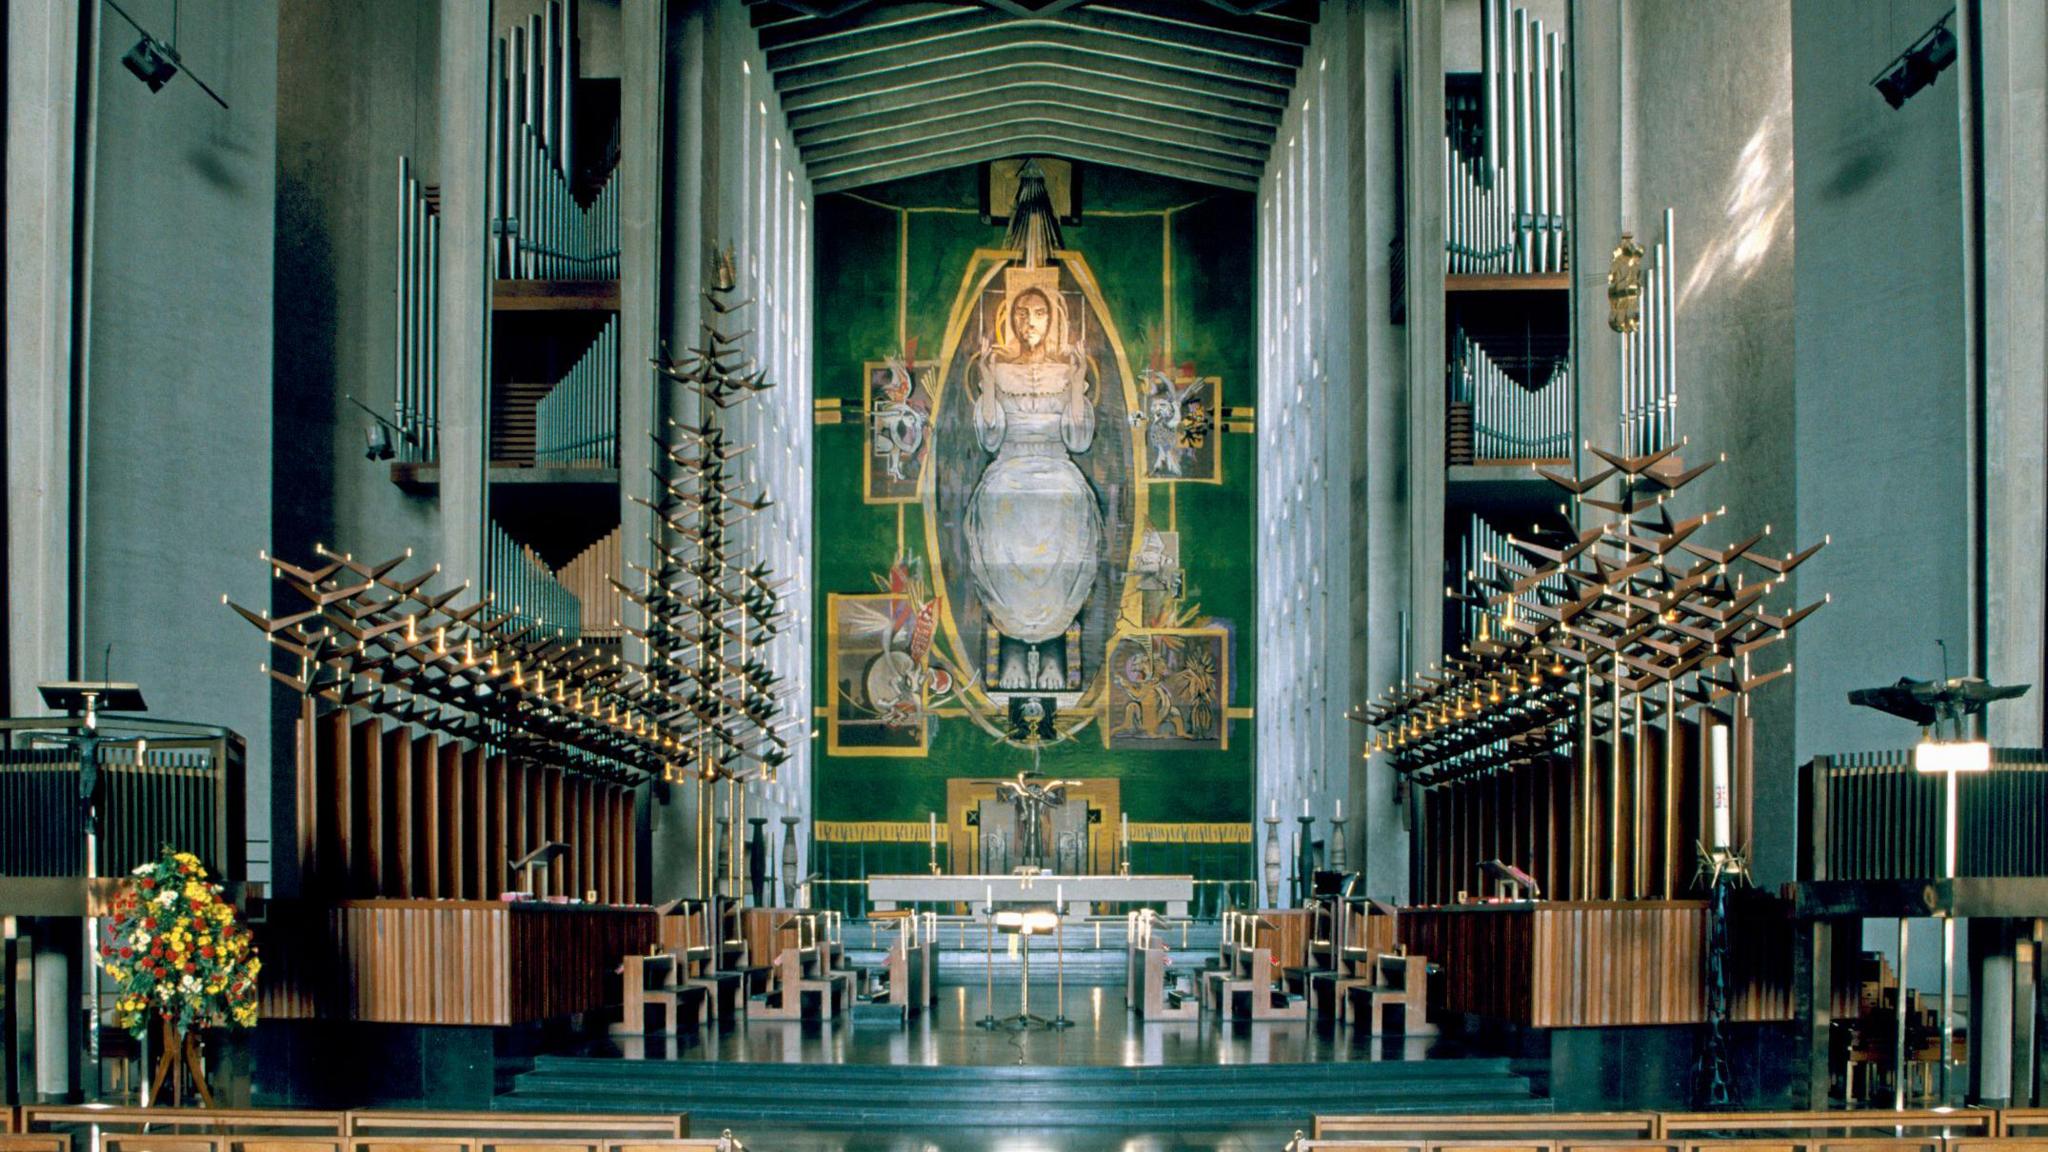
pixel 990 901
pixel 1717 745
pixel 1304 807
pixel 1340 809
pixel 1275 813
pixel 1124 831
pixel 935 829
pixel 1059 898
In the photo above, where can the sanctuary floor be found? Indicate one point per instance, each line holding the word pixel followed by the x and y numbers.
pixel 1104 1034
pixel 940 1083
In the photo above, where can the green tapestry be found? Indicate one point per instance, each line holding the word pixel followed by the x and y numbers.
pixel 1035 497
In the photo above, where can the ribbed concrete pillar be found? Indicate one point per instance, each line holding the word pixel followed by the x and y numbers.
pixel 465 302
pixel 41 220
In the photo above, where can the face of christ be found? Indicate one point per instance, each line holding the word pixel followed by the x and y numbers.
pixel 1031 318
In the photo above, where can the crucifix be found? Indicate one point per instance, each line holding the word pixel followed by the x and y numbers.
pixel 1032 801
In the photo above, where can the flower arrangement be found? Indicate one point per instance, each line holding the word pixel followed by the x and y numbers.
pixel 176 951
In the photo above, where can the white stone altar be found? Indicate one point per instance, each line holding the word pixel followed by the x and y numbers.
pixel 886 892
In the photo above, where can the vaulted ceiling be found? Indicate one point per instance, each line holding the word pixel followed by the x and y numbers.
pixel 1187 88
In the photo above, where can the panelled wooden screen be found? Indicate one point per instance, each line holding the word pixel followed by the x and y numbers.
pixel 393 812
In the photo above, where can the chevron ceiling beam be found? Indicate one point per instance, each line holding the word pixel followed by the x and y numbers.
pixel 1025 120
pixel 893 43
pixel 1193 89
pixel 1058 64
pixel 1174 107
pixel 901 123
pixel 839 179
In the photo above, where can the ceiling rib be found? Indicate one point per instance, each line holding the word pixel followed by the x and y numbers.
pixel 1252 83
pixel 944 115
pixel 841 180
pixel 1061 65
pixel 1131 135
pixel 935 33
pixel 1025 83
pixel 877 91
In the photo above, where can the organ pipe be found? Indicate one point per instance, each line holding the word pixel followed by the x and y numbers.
pixel 541 229
pixel 524 586
pixel 1511 422
pixel 1505 207
pixel 416 373
pixel 1649 363
pixel 577 421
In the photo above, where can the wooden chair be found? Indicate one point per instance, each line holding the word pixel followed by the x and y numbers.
pixel 804 965
pixel 1145 975
pixel 155 1142
pixel 1403 981
pixel 36 1142
pixel 906 968
pixel 650 985
pixel 1249 969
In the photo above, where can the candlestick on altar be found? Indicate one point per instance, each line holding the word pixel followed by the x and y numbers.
pixel 934 862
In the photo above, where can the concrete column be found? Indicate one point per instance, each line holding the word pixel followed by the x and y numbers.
pixel 672 821
pixel 54 1006
pixel 1422 81
pixel 642 85
pixel 41 221
pixel 465 300
pixel 1991 1012
pixel 1380 574
pixel 2013 50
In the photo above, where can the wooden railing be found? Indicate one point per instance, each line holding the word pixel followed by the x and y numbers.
pixel 52 1129
pixel 1871 816
pixel 1533 964
pixel 1981 1130
pixel 446 961
pixel 182 786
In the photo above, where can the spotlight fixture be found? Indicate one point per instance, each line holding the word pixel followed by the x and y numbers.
pixel 380 436
pixel 152 64
pixel 1917 66
pixel 155 62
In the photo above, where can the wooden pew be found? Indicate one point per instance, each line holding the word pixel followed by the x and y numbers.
pixel 1859 1130
pixel 650 982
pixel 12 1141
pixel 511 1128
pixel 313 1126
pixel 1569 1127
pixel 1145 973
pixel 804 965
pixel 1248 967
pixel 2019 1122
pixel 1403 981
pixel 907 964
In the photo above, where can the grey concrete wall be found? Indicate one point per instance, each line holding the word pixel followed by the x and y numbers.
pixel 1879 330
pixel 1712 139
pixel 356 91
pixel 179 425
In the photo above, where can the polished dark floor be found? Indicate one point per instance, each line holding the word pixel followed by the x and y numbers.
pixel 1104 1035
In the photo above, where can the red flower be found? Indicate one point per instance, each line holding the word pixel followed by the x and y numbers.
pixel 147 884
pixel 206 952
pixel 189 967
pixel 127 952
pixel 148 924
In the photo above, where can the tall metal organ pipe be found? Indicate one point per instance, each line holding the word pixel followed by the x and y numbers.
pixel 1649 362
pixel 1505 207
